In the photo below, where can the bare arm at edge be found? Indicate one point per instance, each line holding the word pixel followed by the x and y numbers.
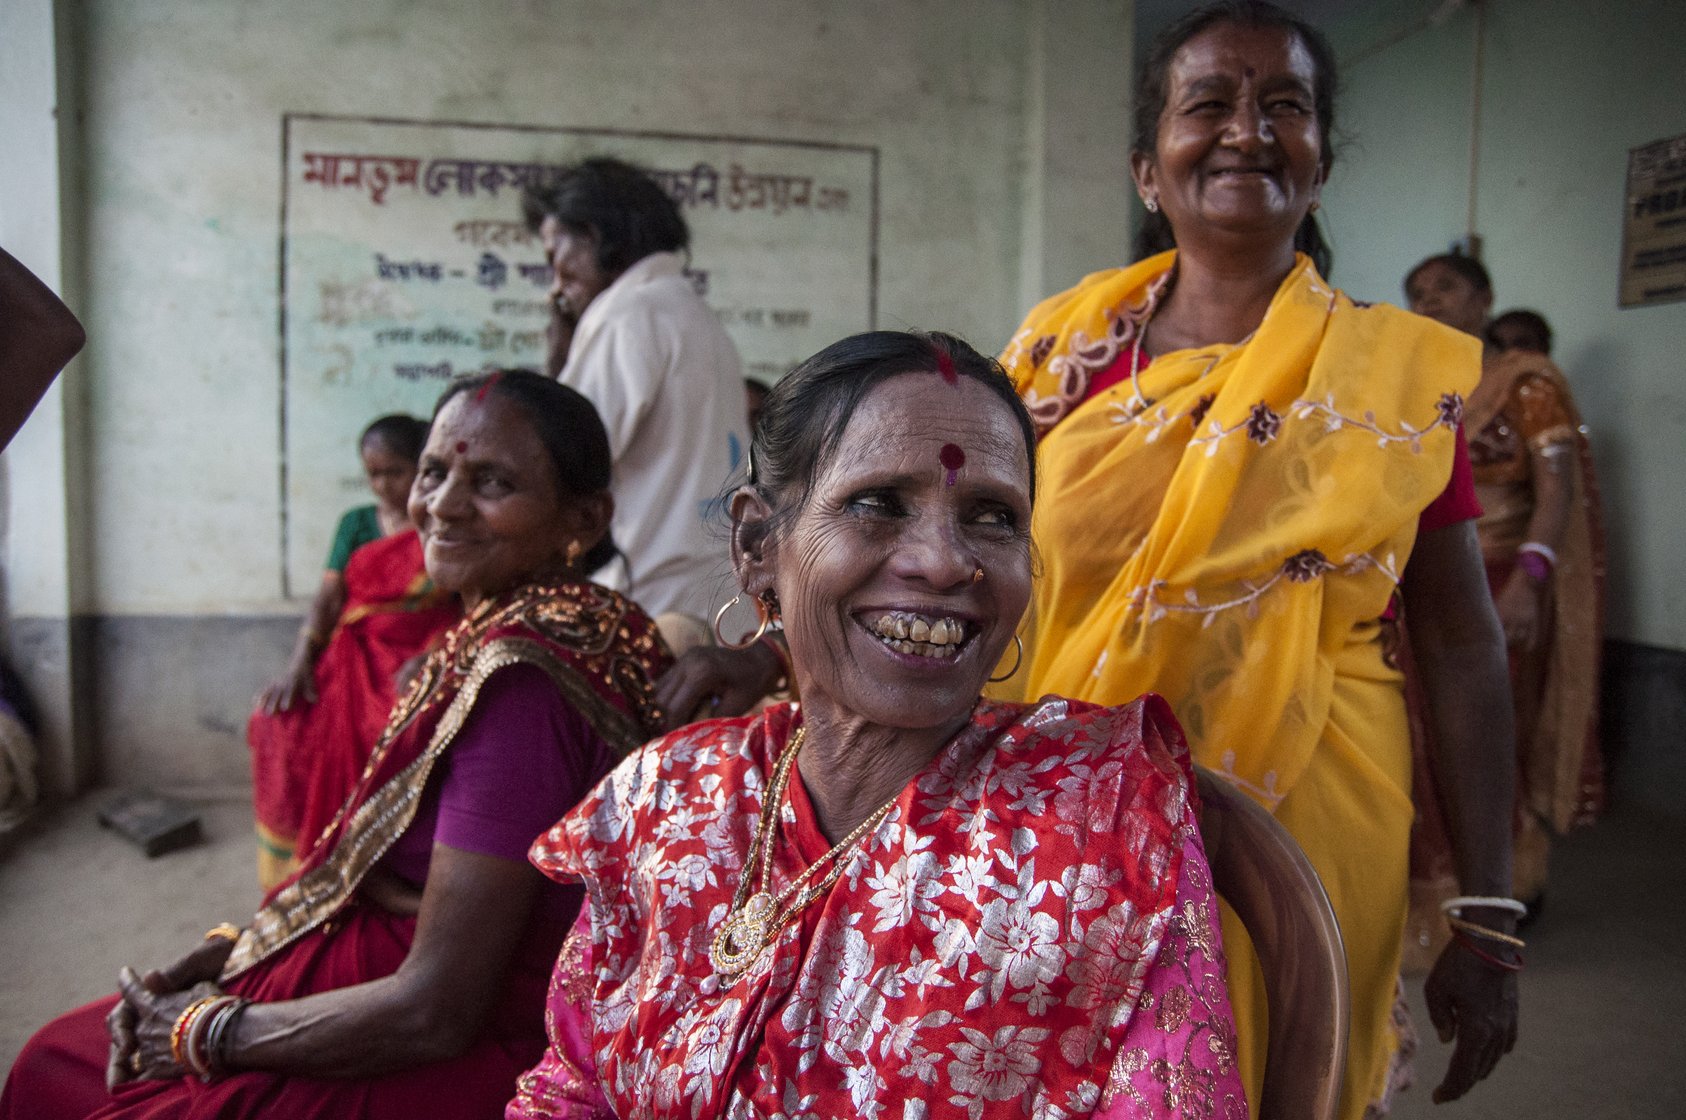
pixel 38 336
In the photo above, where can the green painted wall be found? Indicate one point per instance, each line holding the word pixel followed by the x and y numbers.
pixel 1568 88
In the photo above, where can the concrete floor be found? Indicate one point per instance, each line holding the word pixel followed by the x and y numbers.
pixel 1601 1000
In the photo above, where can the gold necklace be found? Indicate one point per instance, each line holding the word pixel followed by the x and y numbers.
pixel 755 922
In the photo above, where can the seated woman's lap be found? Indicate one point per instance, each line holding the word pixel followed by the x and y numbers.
pixel 62 1069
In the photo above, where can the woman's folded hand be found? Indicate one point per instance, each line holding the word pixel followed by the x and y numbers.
pixel 150 1020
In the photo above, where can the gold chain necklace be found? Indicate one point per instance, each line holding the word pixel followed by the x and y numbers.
pixel 755 922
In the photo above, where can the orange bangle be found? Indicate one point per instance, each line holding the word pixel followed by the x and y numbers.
pixel 1484 956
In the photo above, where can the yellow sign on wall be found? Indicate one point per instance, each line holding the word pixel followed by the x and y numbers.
pixel 1654 226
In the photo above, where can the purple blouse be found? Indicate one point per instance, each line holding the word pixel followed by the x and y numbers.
pixel 523 758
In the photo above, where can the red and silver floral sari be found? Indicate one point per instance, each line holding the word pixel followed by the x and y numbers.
pixel 1031 931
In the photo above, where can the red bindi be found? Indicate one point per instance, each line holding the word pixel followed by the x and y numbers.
pixel 462 447
pixel 952 459
pixel 945 366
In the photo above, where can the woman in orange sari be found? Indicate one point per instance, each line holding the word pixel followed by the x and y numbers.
pixel 1541 533
pixel 375 609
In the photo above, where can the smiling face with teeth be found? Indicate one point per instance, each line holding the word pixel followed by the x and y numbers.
pixel 875 573
pixel 1239 148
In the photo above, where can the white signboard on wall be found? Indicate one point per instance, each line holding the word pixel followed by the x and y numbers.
pixel 405 263
pixel 1654 226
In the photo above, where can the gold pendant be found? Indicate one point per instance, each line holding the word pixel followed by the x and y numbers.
pixel 743 936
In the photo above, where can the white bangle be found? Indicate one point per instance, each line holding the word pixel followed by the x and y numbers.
pixel 1544 552
pixel 1453 905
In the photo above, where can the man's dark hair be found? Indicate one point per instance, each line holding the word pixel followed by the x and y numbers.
pixel 613 202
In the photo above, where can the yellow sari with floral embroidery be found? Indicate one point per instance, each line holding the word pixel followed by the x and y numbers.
pixel 1225 529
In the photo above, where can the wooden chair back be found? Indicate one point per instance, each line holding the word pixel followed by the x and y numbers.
pixel 1264 876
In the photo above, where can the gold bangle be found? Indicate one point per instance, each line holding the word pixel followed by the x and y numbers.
pixel 183 1023
pixel 227 931
pixel 1465 926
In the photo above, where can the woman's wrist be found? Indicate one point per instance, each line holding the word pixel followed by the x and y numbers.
pixel 221 1038
pixel 223 931
pixel 1495 912
pixel 1536 560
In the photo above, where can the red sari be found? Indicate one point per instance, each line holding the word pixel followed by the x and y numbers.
pixel 1030 932
pixel 307 759
pixel 315 933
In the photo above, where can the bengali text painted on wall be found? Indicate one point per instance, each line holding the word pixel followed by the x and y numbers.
pixel 406 263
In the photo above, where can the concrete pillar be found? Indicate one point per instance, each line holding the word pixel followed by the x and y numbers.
pixel 1077 190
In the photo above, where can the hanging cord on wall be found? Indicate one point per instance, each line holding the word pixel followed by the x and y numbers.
pixel 1470 244
pixel 1472 239
pixel 1445 11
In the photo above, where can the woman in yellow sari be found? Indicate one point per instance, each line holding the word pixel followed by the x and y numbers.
pixel 1236 458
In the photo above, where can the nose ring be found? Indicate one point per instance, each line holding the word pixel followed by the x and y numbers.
pixel 977 576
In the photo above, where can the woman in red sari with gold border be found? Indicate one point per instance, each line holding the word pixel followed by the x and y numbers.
pixel 400 972
pixel 307 757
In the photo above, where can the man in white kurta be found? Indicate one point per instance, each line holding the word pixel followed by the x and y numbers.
pixel 653 358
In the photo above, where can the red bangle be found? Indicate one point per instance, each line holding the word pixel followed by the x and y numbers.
pixel 1484 956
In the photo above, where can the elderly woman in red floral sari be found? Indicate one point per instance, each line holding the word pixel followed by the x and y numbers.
pixel 400 972
pixel 894 891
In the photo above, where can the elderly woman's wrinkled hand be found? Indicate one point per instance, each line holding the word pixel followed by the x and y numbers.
pixel 1476 1004
pixel 712 681
pixel 123 1065
pixel 140 1028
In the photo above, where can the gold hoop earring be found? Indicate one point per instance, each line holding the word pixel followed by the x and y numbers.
pixel 764 616
pixel 572 555
pixel 1019 642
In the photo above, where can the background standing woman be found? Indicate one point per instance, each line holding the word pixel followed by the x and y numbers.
pixel 1237 458
pixel 1542 541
